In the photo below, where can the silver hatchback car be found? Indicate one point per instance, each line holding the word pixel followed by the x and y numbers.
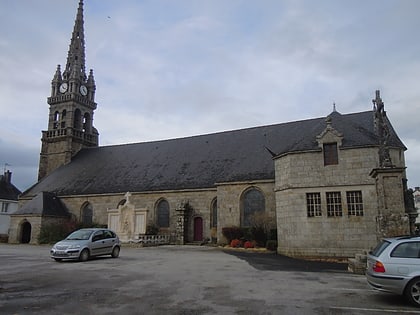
pixel 85 243
pixel 394 266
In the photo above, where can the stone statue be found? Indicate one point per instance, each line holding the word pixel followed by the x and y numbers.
pixel 382 129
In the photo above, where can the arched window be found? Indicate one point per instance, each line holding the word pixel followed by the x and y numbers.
pixel 63 118
pixel 213 214
pixel 86 123
pixel 253 201
pixel 162 214
pixel 56 118
pixel 77 119
pixel 87 214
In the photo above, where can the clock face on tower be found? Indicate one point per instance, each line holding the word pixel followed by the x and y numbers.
pixel 63 87
pixel 83 90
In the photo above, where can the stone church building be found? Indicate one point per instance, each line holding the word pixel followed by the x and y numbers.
pixel 332 185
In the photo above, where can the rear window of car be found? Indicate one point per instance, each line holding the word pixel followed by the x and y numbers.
pixel 407 250
pixel 379 248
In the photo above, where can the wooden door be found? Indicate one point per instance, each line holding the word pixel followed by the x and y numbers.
pixel 198 229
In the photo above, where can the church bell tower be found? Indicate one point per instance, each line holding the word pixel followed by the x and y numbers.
pixel 72 103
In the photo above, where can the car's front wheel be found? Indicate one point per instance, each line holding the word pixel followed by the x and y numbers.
pixel 412 292
pixel 84 255
pixel 115 252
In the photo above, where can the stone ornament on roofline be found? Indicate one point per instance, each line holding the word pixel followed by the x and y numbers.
pixel 329 134
pixel 382 129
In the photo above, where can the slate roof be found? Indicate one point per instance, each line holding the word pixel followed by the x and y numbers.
pixel 46 204
pixel 200 161
pixel 8 191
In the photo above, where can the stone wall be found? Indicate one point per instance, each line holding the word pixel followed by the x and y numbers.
pixel 342 236
pixel 200 200
pixel 15 232
pixel 229 203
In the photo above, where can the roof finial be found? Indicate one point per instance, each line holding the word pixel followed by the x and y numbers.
pixel 334 108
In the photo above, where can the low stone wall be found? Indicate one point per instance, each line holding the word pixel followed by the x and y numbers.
pixel 151 240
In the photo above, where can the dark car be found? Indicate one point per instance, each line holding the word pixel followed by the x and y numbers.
pixel 85 243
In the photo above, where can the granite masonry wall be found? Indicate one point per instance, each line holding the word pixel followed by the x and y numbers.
pixel 337 236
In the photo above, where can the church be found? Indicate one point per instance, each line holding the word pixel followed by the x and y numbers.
pixel 331 186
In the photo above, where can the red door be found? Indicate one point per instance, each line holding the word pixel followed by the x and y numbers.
pixel 198 229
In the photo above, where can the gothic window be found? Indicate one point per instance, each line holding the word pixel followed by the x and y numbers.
pixel 162 213
pixel 334 207
pixel 313 204
pixel 86 123
pixel 63 119
pixel 87 214
pixel 355 203
pixel 253 202
pixel 213 218
pixel 77 119
pixel 330 154
pixel 56 118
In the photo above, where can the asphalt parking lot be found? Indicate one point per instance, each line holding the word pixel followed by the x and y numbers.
pixel 183 280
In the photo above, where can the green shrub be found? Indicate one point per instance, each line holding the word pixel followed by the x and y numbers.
pixel 259 236
pixel 247 233
pixel 152 229
pixel 54 232
pixel 271 245
pixel 273 234
pixel 232 232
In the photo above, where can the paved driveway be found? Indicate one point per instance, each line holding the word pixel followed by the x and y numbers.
pixel 183 280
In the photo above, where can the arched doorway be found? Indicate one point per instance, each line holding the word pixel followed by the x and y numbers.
pixel 198 229
pixel 26 229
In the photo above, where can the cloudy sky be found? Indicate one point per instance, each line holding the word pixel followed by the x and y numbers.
pixel 175 68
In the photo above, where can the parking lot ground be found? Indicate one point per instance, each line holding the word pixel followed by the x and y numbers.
pixel 182 280
pixel 272 261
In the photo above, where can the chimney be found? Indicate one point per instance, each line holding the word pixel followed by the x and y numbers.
pixel 7 177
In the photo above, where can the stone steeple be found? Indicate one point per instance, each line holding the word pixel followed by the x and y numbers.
pixel 75 66
pixel 72 105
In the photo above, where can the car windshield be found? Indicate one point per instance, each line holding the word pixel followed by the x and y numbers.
pixel 80 235
pixel 380 248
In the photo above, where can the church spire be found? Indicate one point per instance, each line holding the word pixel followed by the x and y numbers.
pixel 75 66
pixel 72 106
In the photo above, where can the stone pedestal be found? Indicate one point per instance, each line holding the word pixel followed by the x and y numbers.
pixel 183 213
pixel 180 226
pixel 392 220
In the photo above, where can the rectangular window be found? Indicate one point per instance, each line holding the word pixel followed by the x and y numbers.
pixel 313 204
pixel 330 154
pixel 4 207
pixel 355 203
pixel 334 207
